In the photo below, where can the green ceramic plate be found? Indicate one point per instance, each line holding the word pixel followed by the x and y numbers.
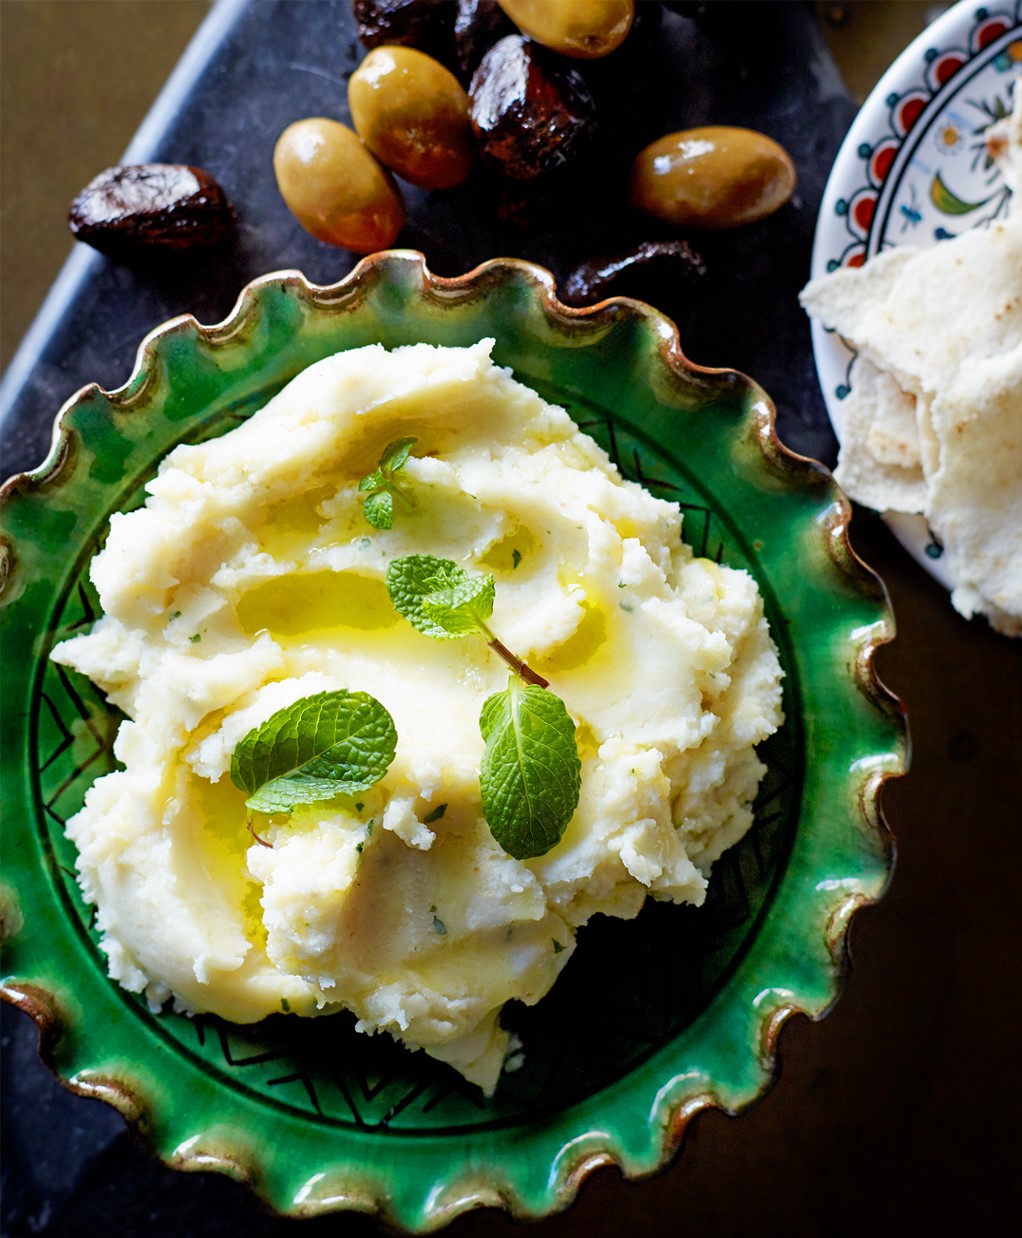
pixel 652 1019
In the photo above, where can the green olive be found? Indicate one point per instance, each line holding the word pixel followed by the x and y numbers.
pixel 335 188
pixel 585 29
pixel 413 115
pixel 716 177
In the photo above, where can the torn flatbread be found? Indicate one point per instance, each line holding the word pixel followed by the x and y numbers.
pixel 933 423
pixel 879 462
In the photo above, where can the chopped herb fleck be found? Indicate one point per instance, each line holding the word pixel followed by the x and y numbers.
pixel 432 908
pixel 621 584
pixel 358 847
pixel 359 807
pixel 439 926
pixel 285 1005
pixel 557 946
pixel 516 558
pixel 435 815
pixel 196 637
pixel 176 615
pixel 627 607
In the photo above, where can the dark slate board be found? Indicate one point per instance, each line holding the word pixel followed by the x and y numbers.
pixel 256 66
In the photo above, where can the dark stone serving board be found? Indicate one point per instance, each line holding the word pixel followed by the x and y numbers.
pixel 255 66
pixel 258 65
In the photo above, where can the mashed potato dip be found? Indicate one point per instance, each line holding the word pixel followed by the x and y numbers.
pixel 251 579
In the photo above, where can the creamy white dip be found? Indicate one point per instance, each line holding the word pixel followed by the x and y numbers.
pixel 251 579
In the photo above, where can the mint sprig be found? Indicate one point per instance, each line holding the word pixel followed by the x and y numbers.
pixel 530 776
pixel 382 490
pixel 530 773
pixel 329 744
pixel 442 600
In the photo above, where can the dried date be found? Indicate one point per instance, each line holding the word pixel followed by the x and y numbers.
pixel 650 271
pixel 423 24
pixel 143 207
pixel 478 24
pixel 530 115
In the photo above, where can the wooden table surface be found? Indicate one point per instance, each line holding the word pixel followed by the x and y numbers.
pixel 903 1104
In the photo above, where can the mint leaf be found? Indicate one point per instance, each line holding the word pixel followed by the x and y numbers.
pixel 530 774
pixel 395 455
pixel 379 509
pixel 381 489
pixel 463 608
pixel 440 598
pixel 333 743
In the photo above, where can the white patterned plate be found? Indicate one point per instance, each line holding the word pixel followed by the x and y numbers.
pixel 913 170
